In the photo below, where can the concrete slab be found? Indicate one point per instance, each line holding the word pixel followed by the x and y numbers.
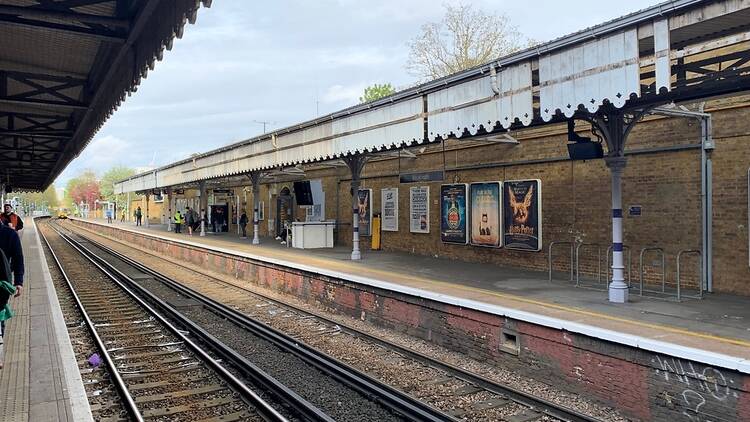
pixel 715 330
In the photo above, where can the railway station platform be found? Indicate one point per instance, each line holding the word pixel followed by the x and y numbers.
pixel 653 358
pixel 716 328
pixel 40 380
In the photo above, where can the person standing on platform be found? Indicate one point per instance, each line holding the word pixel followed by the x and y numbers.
pixel 11 219
pixel 243 224
pixel 11 261
pixel 189 220
pixel 109 216
pixel 138 214
pixel 177 222
pixel 122 217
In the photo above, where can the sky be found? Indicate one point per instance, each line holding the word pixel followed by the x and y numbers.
pixel 285 62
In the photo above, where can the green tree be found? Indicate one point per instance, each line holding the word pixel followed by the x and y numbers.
pixel 465 38
pixel 376 91
pixel 107 183
pixel 38 200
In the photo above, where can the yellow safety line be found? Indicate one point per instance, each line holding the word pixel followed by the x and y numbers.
pixel 661 327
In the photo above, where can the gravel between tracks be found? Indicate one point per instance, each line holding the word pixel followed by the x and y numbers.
pixel 365 357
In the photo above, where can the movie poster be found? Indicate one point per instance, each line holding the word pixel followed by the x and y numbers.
pixel 485 214
pixel 522 207
pixel 419 209
pixel 364 211
pixel 389 209
pixel 453 228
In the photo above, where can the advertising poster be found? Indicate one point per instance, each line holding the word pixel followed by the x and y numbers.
pixel 364 211
pixel 522 208
pixel 419 209
pixel 485 214
pixel 453 216
pixel 389 209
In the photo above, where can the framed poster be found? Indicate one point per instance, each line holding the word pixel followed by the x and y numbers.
pixel 389 209
pixel 364 211
pixel 453 216
pixel 485 214
pixel 522 208
pixel 419 209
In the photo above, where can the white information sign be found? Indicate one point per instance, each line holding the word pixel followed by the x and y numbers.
pixel 419 209
pixel 389 209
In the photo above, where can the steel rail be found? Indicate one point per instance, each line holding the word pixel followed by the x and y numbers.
pixel 127 398
pixel 366 385
pixel 545 406
pixel 264 409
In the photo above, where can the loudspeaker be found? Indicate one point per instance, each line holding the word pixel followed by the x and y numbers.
pixel 8 189
pixel 303 193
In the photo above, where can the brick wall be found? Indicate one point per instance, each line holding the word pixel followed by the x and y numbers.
pixel 641 384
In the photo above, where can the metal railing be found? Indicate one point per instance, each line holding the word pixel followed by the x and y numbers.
pixel 630 261
pixel 549 257
pixel 700 272
pixel 598 262
pixel 663 269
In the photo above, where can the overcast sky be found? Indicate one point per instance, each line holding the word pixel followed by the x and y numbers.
pixel 285 62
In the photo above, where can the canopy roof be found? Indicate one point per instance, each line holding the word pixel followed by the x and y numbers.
pixel 679 50
pixel 65 67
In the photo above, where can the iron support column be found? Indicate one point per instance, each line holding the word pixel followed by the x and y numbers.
pixel 355 163
pixel 170 207
pixel 255 180
pixel 203 206
pixel 147 195
pixel 618 289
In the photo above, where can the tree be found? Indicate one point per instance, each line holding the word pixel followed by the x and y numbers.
pixel 376 91
pixel 464 39
pixel 38 200
pixel 83 188
pixel 107 183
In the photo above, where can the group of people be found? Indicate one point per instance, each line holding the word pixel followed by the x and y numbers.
pixel 11 266
pixel 191 219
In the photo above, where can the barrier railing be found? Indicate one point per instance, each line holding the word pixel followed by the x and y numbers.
pixel 630 261
pixel 549 257
pixel 700 272
pixel 598 261
pixel 641 268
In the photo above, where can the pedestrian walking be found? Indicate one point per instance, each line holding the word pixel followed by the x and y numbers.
pixel 243 224
pixel 11 219
pixel 138 214
pixel 177 222
pixel 189 220
pixel 122 216
pixel 11 275
pixel 109 216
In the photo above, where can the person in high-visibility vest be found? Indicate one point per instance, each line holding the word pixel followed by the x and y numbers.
pixel 177 221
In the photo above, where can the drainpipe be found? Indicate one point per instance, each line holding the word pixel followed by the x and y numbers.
pixel 493 80
pixel 707 144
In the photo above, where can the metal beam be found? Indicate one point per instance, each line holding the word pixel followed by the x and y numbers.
pixel 44 103
pixel 101 34
pixel 37 133
pixel 65 16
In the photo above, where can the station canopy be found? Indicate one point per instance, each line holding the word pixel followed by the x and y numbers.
pixel 681 50
pixel 65 67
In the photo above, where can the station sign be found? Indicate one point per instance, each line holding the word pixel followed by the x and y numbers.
pixel 426 176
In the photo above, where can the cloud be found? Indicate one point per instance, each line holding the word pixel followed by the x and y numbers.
pixel 343 94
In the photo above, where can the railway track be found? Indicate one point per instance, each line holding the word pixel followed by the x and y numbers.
pixel 157 372
pixel 323 388
pixel 517 404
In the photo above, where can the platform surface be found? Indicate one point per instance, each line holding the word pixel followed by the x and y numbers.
pixel 40 380
pixel 715 330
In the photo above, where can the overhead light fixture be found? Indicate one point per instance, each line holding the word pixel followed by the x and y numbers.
pixel 580 147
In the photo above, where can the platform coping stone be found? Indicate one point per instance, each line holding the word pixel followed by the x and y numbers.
pixel 14 377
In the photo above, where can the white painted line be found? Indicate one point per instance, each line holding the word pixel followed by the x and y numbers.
pixel 645 343
pixel 79 402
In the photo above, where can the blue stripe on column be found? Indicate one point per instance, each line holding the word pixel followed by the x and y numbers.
pixel 356 230
pixel 616 213
pixel 617 247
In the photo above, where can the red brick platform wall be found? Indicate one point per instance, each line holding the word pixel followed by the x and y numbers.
pixel 641 384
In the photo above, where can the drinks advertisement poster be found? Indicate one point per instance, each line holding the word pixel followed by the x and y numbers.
pixel 485 214
pixel 389 209
pixel 453 227
pixel 522 208
pixel 419 209
pixel 364 211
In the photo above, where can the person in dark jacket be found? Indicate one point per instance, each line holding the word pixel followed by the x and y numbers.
pixel 10 244
pixel 243 224
pixel 11 219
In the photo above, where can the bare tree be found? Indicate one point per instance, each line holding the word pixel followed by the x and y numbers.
pixel 465 38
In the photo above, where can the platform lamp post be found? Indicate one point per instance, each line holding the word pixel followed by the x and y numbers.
pixel 356 163
pixel 203 205
pixel 614 125
pixel 148 193
pixel 170 208
pixel 255 177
